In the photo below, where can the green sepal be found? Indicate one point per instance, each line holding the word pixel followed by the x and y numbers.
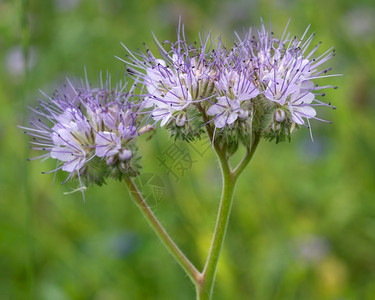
pixel 192 129
pixel 131 167
pixel 97 170
pixel 232 145
pixel 94 171
pixel 282 134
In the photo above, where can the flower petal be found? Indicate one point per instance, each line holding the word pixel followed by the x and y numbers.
pixel 215 110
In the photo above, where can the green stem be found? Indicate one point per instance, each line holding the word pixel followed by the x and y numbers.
pixel 180 257
pixel 246 159
pixel 207 279
pixel 206 283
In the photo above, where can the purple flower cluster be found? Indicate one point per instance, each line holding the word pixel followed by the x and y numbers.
pixel 227 86
pixel 261 86
pixel 86 128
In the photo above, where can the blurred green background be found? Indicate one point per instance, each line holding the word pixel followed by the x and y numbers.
pixel 303 220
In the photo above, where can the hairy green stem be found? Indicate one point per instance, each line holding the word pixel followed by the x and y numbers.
pixel 178 255
pixel 206 281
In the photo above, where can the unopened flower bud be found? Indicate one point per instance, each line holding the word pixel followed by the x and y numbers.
pixel 181 119
pixel 279 115
pixel 125 154
pixel 276 126
pixel 243 114
pixel 111 160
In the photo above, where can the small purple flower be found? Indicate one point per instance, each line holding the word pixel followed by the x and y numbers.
pixel 174 102
pixel 226 111
pixel 235 87
pixel 300 106
pixel 66 148
pixel 107 144
pixel 236 84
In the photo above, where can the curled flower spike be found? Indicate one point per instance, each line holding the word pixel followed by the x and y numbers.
pixel 90 131
pixel 244 89
pixel 285 72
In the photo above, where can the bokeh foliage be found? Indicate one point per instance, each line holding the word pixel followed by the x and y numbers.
pixel 303 221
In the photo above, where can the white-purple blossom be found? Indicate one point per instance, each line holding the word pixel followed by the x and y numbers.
pixel 226 111
pixel 81 126
pixel 237 84
pixel 66 147
pixel 107 144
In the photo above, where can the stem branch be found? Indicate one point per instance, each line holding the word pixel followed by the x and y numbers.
pixel 246 159
pixel 204 282
pixel 207 279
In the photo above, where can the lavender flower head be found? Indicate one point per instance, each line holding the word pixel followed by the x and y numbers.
pixel 262 85
pixel 91 132
pixel 285 72
pixel 175 84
